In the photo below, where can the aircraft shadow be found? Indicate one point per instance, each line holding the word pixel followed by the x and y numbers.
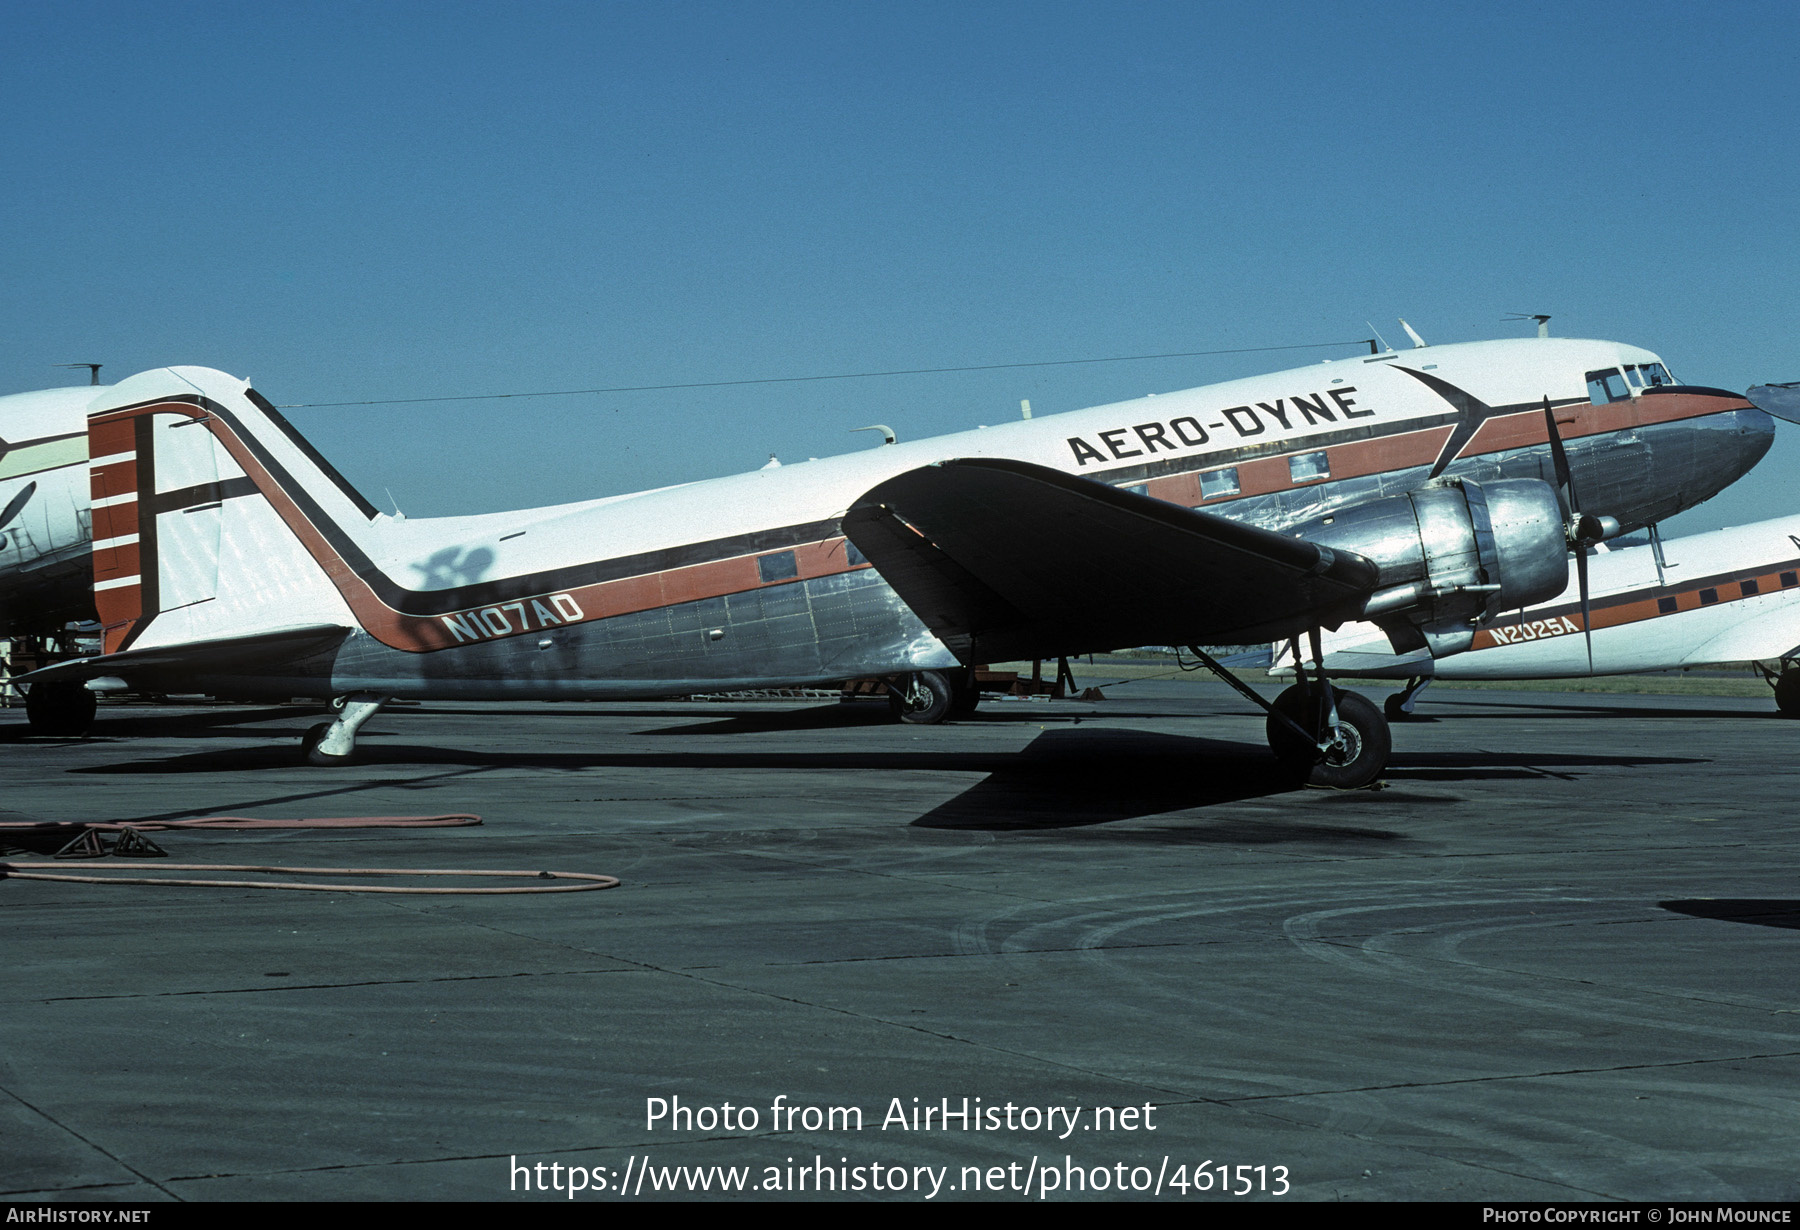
pixel 222 722
pixel 1072 778
pixel 1066 778
pixel 815 717
pixel 1759 911
pixel 1529 709
pixel 1489 766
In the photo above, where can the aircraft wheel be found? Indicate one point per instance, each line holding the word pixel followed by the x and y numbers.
pixel 1357 755
pixel 1787 692
pixel 965 693
pixel 309 748
pixel 64 710
pixel 924 699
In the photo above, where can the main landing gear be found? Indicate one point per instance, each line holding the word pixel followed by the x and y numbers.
pixel 1323 735
pixel 62 710
pixel 1786 683
pixel 926 698
pixel 333 743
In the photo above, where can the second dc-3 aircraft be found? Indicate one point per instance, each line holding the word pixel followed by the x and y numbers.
pixel 1425 491
pixel 1726 596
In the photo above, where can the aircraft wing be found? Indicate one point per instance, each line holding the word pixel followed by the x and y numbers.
pixel 260 653
pixel 1006 560
pixel 1765 637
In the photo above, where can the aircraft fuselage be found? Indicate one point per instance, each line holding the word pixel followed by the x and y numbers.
pixel 749 581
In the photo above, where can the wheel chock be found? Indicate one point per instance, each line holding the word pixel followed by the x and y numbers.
pixel 85 844
pixel 137 845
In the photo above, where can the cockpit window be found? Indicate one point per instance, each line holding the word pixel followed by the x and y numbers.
pixel 1606 386
pixel 1643 375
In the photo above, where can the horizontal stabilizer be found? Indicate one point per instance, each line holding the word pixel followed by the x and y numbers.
pixel 1005 560
pixel 272 653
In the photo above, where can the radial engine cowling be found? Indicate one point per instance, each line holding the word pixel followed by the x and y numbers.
pixel 1453 553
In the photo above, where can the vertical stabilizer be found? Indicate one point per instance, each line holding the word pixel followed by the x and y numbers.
pixel 202 497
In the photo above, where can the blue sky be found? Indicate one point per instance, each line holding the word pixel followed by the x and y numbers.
pixel 362 201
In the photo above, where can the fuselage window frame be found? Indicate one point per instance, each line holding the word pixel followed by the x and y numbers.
pixel 1309 467
pixel 1217 484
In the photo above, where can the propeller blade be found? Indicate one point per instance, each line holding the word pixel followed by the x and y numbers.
pixel 1780 400
pixel 1581 581
pixel 16 504
pixel 1565 481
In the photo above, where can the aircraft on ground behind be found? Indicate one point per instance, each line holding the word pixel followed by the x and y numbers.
pixel 1731 595
pixel 1426 491
pixel 46 572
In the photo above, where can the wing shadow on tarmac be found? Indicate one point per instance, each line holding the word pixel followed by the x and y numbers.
pixel 1760 911
pixel 1072 777
pixel 1069 776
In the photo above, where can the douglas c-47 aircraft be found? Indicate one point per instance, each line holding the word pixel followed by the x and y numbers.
pixel 1426 492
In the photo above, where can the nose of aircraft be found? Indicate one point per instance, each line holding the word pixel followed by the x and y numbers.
pixel 1736 436
pixel 1696 443
pixel 1756 431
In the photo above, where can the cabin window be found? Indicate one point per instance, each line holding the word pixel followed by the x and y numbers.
pixel 1308 467
pixel 1708 597
pixel 780 566
pixel 1216 483
pixel 1136 488
pixel 1749 588
pixel 1666 606
pixel 1790 579
pixel 1607 386
pixel 855 558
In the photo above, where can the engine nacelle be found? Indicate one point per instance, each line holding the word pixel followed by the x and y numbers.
pixel 1453 553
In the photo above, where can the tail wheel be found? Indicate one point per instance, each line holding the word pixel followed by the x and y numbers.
pixel 309 748
pixel 1358 748
pixel 923 699
pixel 63 710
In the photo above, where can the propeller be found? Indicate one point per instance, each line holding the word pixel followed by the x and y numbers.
pixel 1581 530
pixel 1780 400
pixel 16 504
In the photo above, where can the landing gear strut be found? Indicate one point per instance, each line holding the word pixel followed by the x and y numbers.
pixel 1399 706
pixel 333 743
pixel 1323 735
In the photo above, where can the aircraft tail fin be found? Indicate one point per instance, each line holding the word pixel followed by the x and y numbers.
pixel 212 515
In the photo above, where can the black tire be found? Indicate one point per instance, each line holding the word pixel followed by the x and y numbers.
pixel 309 748
pixel 965 693
pixel 1362 752
pixel 933 710
pixel 61 710
pixel 1787 692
